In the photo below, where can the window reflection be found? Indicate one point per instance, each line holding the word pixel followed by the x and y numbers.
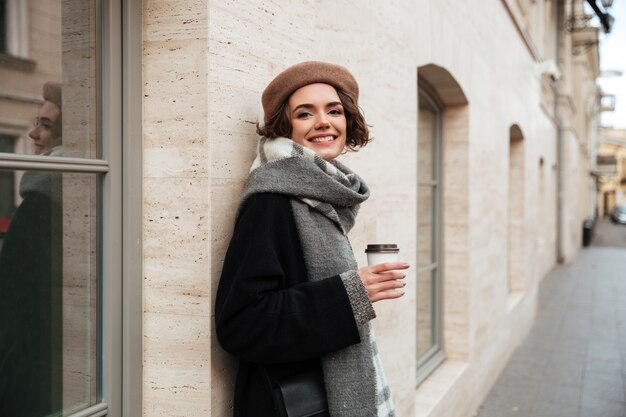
pixel 48 295
pixel 425 226
pixel 54 44
pixel 424 314
pixel 7 190
pixel 48 220
pixel 427 125
pixel 30 300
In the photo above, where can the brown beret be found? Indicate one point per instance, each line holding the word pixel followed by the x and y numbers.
pixel 52 92
pixel 305 73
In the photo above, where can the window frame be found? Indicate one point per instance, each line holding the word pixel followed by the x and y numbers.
pixel 122 113
pixel 428 361
pixel 120 348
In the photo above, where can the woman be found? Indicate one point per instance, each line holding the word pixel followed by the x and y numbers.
pixel 291 297
pixel 31 265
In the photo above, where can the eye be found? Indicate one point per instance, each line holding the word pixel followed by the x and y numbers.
pixel 303 115
pixel 46 124
pixel 336 111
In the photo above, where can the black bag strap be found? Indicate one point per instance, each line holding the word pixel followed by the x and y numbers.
pixel 277 400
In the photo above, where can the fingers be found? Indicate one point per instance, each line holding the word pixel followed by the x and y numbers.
pixel 388 285
pixel 373 278
pixel 386 295
pixel 388 266
pixel 384 281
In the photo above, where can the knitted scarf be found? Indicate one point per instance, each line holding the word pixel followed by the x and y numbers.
pixel 43 182
pixel 325 201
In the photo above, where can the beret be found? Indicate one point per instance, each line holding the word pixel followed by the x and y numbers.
pixel 52 92
pixel 305 73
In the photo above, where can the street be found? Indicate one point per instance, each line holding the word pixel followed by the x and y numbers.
pixel 608 233
pixel 573 361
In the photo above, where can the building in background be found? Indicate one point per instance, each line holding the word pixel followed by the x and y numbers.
pixel 485 118
pixel 611 165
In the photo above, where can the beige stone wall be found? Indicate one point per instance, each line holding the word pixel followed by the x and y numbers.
pixel 177 219
pixel 199 142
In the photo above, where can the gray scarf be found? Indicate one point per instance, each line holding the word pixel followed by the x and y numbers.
pixel 42 182
pixel 325 201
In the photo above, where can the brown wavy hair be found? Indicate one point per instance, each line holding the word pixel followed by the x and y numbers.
pixel 357 134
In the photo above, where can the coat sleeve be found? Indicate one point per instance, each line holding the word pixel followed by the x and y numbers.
pixel 266 309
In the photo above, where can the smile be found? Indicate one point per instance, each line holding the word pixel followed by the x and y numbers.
pixel 322 139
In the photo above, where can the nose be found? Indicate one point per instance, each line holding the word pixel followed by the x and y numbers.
pixel 34 133
pixel 322 122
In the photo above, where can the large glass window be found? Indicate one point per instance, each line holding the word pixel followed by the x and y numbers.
pixel 55 197
pixel 429 351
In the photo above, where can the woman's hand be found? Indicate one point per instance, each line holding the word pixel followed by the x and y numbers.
pixel 383 281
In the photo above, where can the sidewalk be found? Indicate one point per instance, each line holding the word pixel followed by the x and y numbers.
pixel 573 362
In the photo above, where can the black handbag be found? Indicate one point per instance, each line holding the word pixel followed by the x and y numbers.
pixel 300 395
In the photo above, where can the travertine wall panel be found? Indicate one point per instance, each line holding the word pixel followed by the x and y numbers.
pixel 177 305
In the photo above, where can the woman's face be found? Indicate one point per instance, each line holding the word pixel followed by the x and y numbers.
pixel 43 132
pixel 318 120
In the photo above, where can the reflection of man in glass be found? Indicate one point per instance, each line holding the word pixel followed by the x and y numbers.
pixel 30 282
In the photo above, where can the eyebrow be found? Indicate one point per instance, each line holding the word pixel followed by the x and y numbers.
pixel 308 105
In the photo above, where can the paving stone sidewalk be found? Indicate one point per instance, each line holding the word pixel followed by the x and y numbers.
pixel 573 362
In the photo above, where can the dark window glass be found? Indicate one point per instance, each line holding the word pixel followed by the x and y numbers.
pixel 48 296
pixel 3 27
pixel 7 190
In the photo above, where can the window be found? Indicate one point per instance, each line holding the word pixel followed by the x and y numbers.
pixel 14 28
pixel 3 27
pixel 429 273
pixel 62 344
pixel 7 190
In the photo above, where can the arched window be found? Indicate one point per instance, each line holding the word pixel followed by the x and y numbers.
pixel 429 273
pixel 442 220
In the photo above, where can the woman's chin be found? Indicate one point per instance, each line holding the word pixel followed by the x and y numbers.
pixel 327 150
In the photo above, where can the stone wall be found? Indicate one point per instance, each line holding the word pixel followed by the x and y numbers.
pixel 177 212
pixel 199 139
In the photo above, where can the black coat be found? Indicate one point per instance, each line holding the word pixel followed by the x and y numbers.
pixel 267 312
pixel 30 306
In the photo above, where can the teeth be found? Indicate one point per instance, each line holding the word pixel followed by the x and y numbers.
pixel 323 139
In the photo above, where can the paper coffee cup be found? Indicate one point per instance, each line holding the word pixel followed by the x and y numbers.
pixel 380 253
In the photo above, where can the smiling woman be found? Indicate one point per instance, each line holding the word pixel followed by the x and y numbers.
pixel 296 317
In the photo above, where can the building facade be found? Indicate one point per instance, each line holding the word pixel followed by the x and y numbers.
pixel 484 118
pixel 611 165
